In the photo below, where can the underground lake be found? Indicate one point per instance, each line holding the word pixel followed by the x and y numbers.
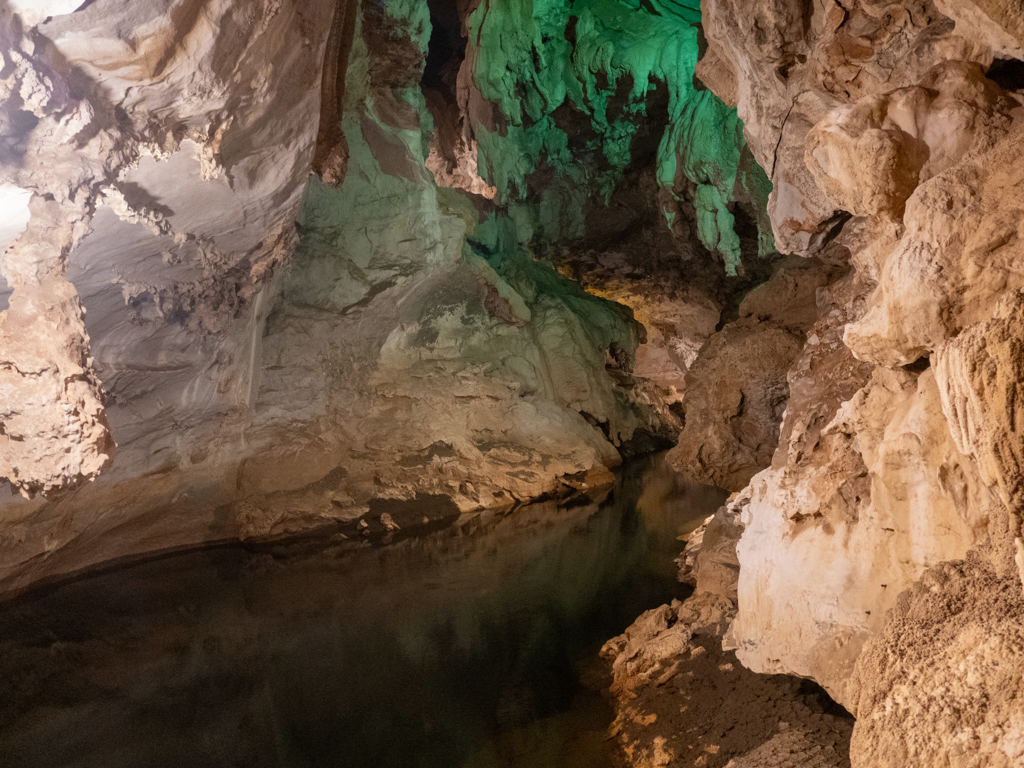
pixel 455 641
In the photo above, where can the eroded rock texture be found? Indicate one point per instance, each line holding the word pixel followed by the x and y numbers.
pixel 898 453
pixel 230 346
pixel 681 699
pixel 164 150
pixel 941 685
pixel 464 301
pixel 737 388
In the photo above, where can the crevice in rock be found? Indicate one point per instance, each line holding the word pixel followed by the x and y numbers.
pixel 446 49
pixel 1007 73
pixel 330 157
pixel 919 366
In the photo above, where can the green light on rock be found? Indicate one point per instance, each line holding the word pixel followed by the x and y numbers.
pixel 531 57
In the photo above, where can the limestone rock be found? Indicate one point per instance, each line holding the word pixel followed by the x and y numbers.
pixel 717 74
pixel 166 146
pixel 671 292
pixel 979 385
pixel 866 490
pixel 47 391
pixel 259 377
pixel 997 22
pixel 737 389
pixel 687 560
pixel 715 565
pixel 795 62
pixel 870 156
pixel 654 637
pixel 941 685
pixel 690 702
pixel 664 632
pixel 864 541
pixel 957 256
pixel 736 394
pixel 709 562
pixel 886 467
pixel 53 429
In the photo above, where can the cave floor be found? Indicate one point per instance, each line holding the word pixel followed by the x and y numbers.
pixel 707 710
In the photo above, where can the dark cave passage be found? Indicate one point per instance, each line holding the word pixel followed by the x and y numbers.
pixel 446 49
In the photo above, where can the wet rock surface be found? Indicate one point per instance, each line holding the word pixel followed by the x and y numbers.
pixel 683 699
pixel 458 641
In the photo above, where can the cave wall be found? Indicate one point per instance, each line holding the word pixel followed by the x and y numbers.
pixel 874 544
pixel 204 341
pixel 201 340
pixel 416 345
pixel 162 150
pixel 535 71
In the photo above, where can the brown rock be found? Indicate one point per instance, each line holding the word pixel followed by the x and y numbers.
pixel 737 389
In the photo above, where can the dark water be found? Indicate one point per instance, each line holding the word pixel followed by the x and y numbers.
pixel 467 647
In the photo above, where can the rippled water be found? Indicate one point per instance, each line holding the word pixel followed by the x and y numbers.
pixel 464 647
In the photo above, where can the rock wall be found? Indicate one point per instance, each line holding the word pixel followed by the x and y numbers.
pixel 199 340
pixel 737 389
pixel 898 453
pixel 416 345
pixel 162 151
pixel 573 86
pixel 683 699
pixel 204 341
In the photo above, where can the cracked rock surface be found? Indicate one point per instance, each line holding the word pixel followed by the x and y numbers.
pixel 896 474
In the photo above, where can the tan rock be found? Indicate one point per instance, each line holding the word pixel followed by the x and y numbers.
pixel 958 255
pixel 677 313
pixel 856 472
pixel 709 561
pixel 997 22
pixel 870 156
pixel 980 384
pixel 794 63
pixel 864 542
pixel 717 74
pixel 736 394
pixel 886 477
pixel 941 685
pixel 138 282
pixel 736 388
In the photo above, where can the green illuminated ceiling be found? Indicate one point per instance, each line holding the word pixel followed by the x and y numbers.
pixel 530 57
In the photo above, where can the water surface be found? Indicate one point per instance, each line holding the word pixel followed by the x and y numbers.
pixel 468 645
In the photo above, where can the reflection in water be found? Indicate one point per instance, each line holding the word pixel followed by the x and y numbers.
pixel 461 648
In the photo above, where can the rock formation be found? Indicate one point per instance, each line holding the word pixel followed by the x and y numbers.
pixel 683 700
pixel 897 456
pixel 737 389
pixel 226 345
pixel 268 264
pixel 163 156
